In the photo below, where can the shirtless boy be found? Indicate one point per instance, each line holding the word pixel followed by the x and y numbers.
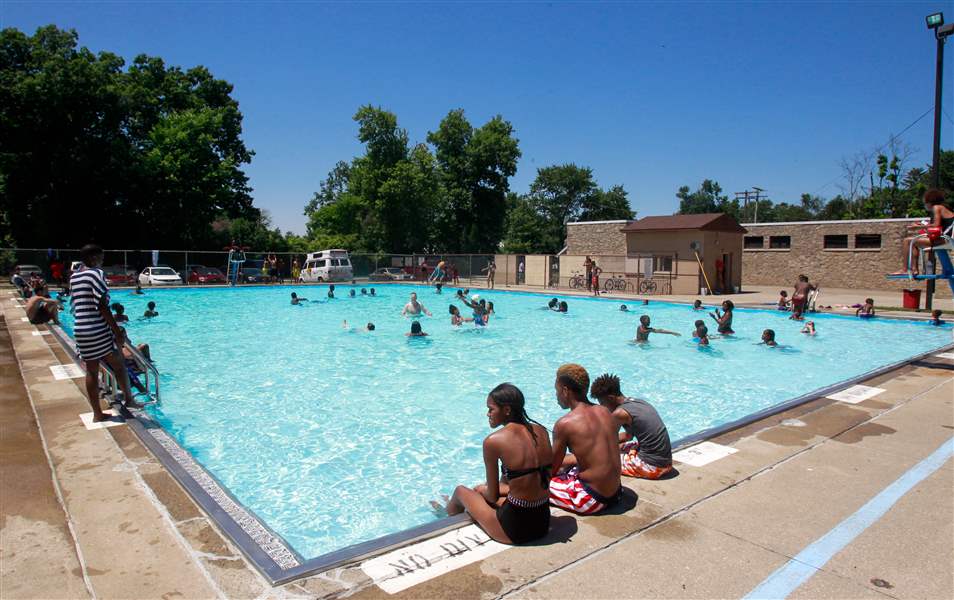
pixel 591 482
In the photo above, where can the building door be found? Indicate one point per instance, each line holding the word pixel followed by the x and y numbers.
pixel 726 282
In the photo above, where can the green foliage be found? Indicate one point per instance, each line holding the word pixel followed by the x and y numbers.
pixel 707 198
pixel 90 151
pixel 560 194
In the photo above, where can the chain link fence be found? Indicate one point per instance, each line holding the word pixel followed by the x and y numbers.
pixel 633 274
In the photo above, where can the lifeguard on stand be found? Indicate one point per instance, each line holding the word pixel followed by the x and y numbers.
pixel 235 261
pixel 935 235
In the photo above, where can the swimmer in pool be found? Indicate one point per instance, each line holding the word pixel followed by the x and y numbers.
pixel 809 328
pixel 553 304
pixel 456 318
pixel 150 311
pixel 867 310
pixel 697 305
pixel 479 306
pixel 296 301
pixel 724 320
pixel 364 291
pixel 783 300
pixel 623 308
pixel 936 318
pixel 701 334
pixel 768 339
pixel 351 293
pixel 645 302
pixel 490 310
pixel 366 328
pixel 120 311
pixel 373 293
pixel 563 307
pixel 416 330
pixel 643 331
pixel 414 308
pixel 331 291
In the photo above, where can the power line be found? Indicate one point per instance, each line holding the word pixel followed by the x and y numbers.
pixel 948 116
pixel 885 145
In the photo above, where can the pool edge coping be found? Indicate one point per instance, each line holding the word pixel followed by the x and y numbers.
pixel 267 566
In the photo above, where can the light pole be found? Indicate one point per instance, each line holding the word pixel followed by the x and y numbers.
pixel 935 22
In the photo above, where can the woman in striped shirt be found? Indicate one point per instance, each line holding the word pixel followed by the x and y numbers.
pixel 97 335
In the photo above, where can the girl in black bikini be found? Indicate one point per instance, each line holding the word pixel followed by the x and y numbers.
pixel 515 509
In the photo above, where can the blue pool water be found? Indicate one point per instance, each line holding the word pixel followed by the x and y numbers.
pixel 334 437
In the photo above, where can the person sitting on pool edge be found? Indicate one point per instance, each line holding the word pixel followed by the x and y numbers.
pixel 40 310
pixel 590 481
pixel 513 509
pixel 644 445
pixel 150 311
pixel 643 331
pixel 296 301
pixel 416 330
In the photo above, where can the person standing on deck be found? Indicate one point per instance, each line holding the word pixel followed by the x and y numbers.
pixel 97 335
pixel 588 265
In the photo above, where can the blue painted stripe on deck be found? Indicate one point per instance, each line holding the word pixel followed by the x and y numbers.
pixel 795 572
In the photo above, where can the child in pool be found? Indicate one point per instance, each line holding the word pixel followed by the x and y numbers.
pixel 768 338
pixel 351 293
pixel 331 291
pixel 150 311
pixel 643 331
pixel 296 301
pixel 936 318
pixel 120 311
pixel 645 302
pixel 724 320
pixel 697 305
pixel 364 291
pixel 553 304
pixel 867 310
pixel 490 309
pixel 456 318
pixel 563 307
pixel 373 293
pixel 622 307
pixel 783 300
pixel 416 330
pixel 701 334
pixel 809 328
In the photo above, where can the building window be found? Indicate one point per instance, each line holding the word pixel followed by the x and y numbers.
pixel 836 241
pixel 868 240
pixel 780 241
pixel 753 241
pixel 662 264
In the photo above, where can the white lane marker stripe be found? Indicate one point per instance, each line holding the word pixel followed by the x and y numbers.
pixel 948 355
pixel 787 578
pixel 417 563
pixel 856 394
pixel 703 454
pixel 115 420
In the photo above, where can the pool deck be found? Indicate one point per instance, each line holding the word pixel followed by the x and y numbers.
pixel 92 513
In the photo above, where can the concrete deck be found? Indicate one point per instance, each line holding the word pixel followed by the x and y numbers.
pixel 92 513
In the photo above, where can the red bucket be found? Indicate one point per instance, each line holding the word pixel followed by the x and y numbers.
pixel 911 299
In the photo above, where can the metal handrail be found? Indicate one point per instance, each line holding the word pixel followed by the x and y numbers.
pixel 147 368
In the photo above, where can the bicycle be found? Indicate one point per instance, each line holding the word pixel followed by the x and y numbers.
pixel 647 286
pixel 577 281
pixel 615 284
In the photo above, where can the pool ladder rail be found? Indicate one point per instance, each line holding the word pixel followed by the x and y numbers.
pixel 148 390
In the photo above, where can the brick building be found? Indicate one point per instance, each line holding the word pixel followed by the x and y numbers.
pixel 836 254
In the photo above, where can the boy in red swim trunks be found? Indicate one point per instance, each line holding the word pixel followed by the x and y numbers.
pixel 591 481
pixel 644 446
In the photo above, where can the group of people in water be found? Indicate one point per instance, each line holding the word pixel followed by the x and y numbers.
pixel 578 469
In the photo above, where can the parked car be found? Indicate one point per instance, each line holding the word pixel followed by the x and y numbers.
pixel 203 274
pixel 253 275
pixel 327 265
pixel 27 270
pixel 390 274
pixel 118 275
pixel 159 276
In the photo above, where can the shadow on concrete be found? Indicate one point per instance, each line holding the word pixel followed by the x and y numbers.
pixel 626 504
pixel 933 365
pixel 670 475
pixel 562 530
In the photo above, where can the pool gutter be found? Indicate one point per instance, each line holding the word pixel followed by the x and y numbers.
pixel 279 563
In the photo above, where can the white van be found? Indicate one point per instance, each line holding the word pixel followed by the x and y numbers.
pixel 327 265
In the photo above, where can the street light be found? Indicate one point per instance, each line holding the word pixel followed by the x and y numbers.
pixel 935 22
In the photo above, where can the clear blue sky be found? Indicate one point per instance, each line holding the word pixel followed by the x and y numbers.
pixel 651 96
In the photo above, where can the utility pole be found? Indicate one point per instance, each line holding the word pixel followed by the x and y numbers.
pixel 758 192
pixel 935 22
pixel 745 202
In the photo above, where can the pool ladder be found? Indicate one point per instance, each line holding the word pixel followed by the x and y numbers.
pixel 149 393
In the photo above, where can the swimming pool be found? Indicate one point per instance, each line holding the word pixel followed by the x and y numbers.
pixel 335 436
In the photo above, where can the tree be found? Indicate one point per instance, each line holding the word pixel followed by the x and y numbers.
pixel 90 151
pixel 609 205
pixel 475 166
pixel 707 198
